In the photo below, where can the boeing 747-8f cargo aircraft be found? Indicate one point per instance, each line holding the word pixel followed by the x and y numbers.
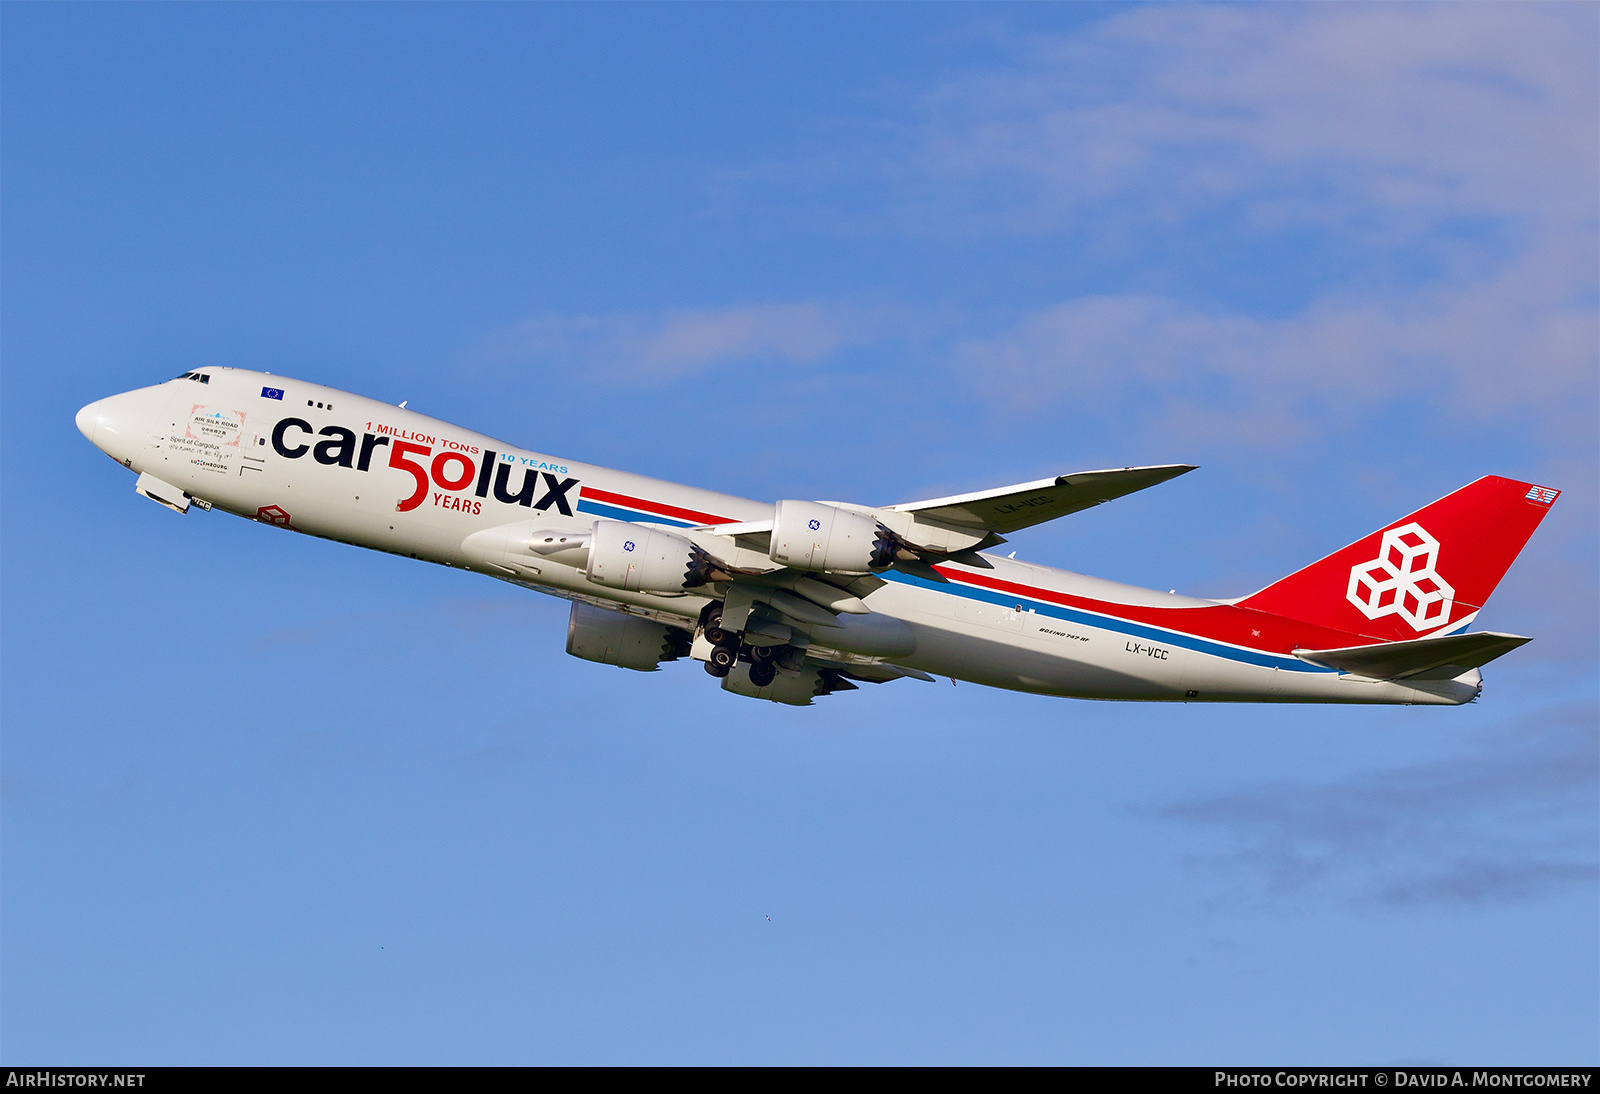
pixel 802 598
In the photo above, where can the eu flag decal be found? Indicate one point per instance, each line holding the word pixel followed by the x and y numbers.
pixel 272 393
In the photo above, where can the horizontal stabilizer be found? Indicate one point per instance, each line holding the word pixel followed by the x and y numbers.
pixel 1445 657
pixel 1010 508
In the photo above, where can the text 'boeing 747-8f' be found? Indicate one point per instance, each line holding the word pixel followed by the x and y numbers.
pixel 802 598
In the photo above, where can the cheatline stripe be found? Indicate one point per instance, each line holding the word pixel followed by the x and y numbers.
pixel 1109 623
pixel 590 502
pixel 611 512
pixel 687 517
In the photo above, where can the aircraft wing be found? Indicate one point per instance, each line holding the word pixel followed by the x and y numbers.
pixel 1445 657
pixel 1005 509
pixel 1010 508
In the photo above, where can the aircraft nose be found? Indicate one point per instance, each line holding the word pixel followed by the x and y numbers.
pixel 88 418
pixel 122 426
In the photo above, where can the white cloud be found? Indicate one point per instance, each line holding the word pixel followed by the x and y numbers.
pixel 683 341
pixel 1391 118
pixel 1517 340
pixel 1464 133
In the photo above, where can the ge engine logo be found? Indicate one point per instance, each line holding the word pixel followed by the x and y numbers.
pixel 627 545
pixel 814 524
pixel 1403 580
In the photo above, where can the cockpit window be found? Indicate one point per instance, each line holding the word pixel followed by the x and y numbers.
pixel 200 377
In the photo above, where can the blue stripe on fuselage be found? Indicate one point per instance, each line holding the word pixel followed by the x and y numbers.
pixel 1109 623
pixel 1043 607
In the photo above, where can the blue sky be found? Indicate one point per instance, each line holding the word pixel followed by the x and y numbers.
pixel 269 799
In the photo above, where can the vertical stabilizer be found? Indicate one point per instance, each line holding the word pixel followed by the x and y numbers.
pixel 1427 573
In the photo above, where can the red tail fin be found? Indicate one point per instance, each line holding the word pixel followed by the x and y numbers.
pixel 1425 573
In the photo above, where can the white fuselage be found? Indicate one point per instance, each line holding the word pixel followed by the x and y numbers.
pixel 347 468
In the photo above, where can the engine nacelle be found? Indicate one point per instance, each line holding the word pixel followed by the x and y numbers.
pixel 627 641
pixel 796 689
pixel 645 560
pixel 811 536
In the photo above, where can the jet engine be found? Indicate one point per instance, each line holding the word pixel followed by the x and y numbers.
pixel 809 535
pixel 627 641
pixel 796 689
pixel 646 560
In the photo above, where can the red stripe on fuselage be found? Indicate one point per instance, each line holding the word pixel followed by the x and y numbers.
pixel 655 507
pixel 1246 627
pixel 1255 630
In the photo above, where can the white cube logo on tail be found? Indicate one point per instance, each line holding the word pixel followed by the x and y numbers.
pixel 1403 580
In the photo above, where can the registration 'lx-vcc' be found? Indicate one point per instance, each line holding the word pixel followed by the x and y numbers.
pixel 790 601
